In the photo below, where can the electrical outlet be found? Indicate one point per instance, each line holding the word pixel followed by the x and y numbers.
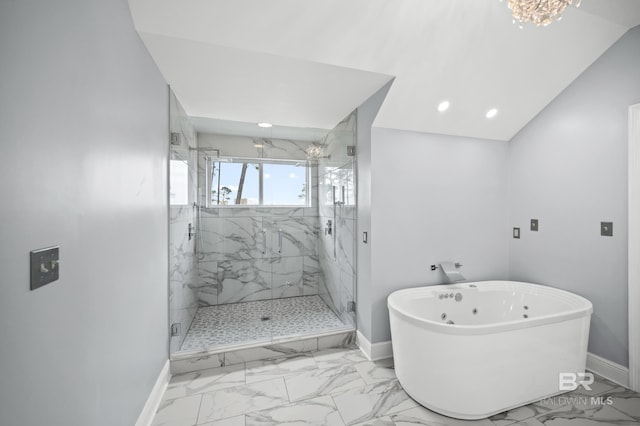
pixel 534 224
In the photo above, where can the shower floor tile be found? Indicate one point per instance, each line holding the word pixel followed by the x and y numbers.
pixel 245 322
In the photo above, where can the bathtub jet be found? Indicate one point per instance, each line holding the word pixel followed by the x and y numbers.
pixel 472 350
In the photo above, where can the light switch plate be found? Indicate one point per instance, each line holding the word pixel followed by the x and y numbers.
pixel 45 266
pixel 516 233
pixel 534 224
pixel 606 229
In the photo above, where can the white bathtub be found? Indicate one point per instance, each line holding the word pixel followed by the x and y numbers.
pixel 504 346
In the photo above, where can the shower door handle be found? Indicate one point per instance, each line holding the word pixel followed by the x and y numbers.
pixel 264 241
pixel 279 240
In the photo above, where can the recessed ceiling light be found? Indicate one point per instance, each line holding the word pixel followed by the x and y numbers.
pixel 443 106
pixel 265 124
pixel 491 113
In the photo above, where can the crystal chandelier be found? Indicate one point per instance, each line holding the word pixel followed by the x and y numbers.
pixel 540 12
pixel 315 151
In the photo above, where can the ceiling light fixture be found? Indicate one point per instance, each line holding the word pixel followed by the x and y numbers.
pixel 539 12
pixel 265 124
pixel 491 113
pixel 443 106
pixel 315 151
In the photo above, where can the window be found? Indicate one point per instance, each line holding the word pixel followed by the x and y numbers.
pixel 257 182
pixel 178 182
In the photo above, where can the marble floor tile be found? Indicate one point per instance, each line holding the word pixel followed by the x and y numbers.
pixel 528 411
pixel 340 386
pixel 231 402
pixel 422 416
pixel 599 386
pixel 528 422
pixel 231 421
pixel 365 403
pixel 378 421
pixel 282 367
pixel 323 382
pixel 338 356
pixel 376 371
pixel 626 401
pixel 319 411
pixel 591 416
pixel 205 381
pixel 178 412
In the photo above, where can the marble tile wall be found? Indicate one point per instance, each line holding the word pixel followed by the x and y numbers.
pixel 257 253
pixel 183 271
pixel 337 203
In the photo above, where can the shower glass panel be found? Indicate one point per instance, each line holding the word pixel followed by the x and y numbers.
pixel 337 214
pixel 183 268
pixel 264 267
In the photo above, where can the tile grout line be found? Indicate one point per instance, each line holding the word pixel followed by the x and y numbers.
pixel 623 413
pixel 199 407
pixel 337 409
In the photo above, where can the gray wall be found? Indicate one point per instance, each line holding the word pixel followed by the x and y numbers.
pixel 568 168
pixel 84 119
pixel 367 113
pixel 434 198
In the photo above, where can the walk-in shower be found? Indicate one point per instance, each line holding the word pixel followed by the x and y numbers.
pixel 263 265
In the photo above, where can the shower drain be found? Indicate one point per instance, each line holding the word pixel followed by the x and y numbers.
pixel 265 318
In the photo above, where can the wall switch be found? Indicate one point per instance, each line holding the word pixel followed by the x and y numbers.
pixel 606 229
pixel 176 329
pixel 45 266
pixel 516 233
pixel 534 224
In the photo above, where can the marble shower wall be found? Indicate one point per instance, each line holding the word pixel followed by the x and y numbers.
pixel 242 257
pixel 337 203
pixel 183 291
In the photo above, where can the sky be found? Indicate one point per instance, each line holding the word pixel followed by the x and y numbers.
pixel 282 183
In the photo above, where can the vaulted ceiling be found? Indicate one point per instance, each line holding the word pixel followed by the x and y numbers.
pixel 309 64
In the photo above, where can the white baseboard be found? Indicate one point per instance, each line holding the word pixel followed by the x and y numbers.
pixel 153 402
pixel 608 369
pixel 373 351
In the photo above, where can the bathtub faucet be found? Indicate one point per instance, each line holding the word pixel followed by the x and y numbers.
pixel 450 270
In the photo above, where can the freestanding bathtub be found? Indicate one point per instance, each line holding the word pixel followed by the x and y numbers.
pixel 472 350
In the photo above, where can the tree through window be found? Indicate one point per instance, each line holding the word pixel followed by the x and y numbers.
pixel 235 182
